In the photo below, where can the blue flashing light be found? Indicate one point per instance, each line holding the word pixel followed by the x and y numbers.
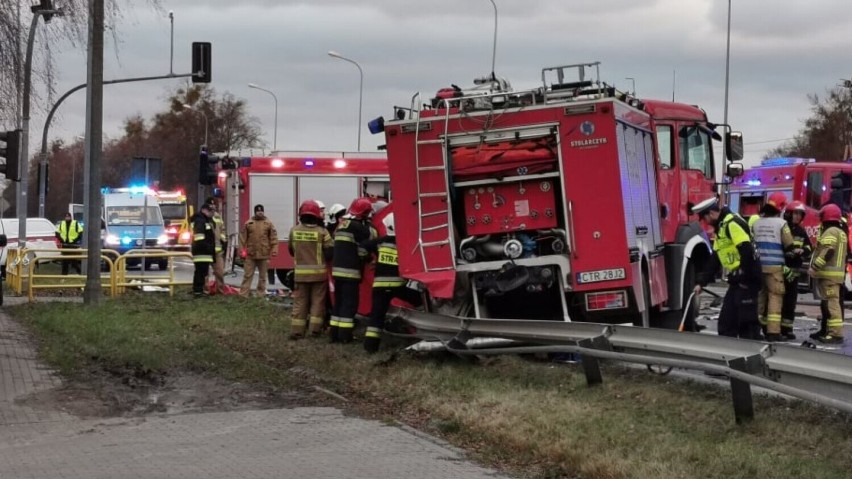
pixel 785 161
pixel 755 182
pixel 126 240
pixel 309 163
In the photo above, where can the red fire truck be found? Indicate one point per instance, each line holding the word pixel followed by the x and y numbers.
pixel 567 201
pixel 280 183
pixel 812 182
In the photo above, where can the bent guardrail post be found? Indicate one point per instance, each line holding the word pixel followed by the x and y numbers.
pixel 741 390
pixel 591 365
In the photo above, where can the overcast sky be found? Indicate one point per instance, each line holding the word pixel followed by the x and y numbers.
pixel 781 50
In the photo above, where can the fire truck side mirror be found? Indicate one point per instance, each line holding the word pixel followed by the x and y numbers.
pixel 734 170
pixel 734 145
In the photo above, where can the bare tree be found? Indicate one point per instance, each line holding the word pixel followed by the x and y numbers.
pixel 827 132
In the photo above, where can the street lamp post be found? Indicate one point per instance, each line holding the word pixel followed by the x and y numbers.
pixel 275 131
pixel 334 54
pixel 727 63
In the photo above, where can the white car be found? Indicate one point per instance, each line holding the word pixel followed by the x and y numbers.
pixel 41 234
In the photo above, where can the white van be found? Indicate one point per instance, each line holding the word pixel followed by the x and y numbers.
pixel 41 234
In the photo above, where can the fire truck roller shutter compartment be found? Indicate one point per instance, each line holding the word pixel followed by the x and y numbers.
pixel 509 212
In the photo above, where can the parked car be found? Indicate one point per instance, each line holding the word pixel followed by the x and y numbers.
pixel 41 234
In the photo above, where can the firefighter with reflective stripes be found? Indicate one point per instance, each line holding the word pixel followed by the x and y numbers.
pixel 203 247
pixel 734 252
pixel 774 240
pixel 347 266
pixel 828 268
pixel 221 247
pixel 310 245
pixel 794 214
pixel 387 284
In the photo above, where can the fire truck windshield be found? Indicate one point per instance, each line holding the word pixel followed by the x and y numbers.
pixel 173 211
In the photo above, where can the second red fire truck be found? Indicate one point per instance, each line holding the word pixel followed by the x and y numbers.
pixel 567 201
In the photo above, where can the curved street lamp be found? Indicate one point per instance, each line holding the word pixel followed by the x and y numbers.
pixel 334 54
pixel 275 132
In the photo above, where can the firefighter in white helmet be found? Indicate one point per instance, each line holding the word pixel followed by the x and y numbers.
pixel 387 284
pixel 334 214
pixel 774 240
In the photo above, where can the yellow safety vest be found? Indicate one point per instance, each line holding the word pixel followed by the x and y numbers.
pixel 725 246
pixel 69 235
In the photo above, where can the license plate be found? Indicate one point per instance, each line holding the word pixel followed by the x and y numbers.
pixel 600 275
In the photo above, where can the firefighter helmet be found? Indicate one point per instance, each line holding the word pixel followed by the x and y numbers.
pixel 778 200
pixel 335 209
pixel 361 208
pixel 310 208
pixel 830 212
pixel 796 206
pixel 320 204
pixel 389 224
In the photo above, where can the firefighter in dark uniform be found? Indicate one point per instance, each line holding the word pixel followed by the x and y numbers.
pixel 310 245
pixel 348 265
pixel 828 268
pixel 387 284
pixel 203 248
pixel 793 262
pixel 734 252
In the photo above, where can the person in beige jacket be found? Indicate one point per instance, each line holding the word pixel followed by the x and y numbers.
pixel 259 240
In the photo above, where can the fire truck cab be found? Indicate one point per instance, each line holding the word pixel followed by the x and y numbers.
pixel 814 183
pixel 568 201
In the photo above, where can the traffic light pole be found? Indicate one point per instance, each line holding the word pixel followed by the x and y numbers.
pixel 43 163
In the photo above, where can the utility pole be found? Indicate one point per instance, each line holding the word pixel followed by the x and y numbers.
pixel 92 163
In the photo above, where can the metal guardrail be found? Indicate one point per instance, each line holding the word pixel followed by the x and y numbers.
pixel 156 278
pixel 23 278
pixel 813 375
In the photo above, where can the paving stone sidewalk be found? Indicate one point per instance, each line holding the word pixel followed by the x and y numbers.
pixel 273 443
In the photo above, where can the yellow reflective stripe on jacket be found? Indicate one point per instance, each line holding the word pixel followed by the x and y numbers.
pixel 305 235
pixel 388 282
pixel 344 236
pixel 310 269
pixel 199 237
pixel 202 258
pixel 339 272
pixel 829 258
pixel 388 254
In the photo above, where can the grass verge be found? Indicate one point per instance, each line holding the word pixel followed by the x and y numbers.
pixel 532 419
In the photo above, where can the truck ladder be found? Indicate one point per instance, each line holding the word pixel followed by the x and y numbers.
pixel 437 217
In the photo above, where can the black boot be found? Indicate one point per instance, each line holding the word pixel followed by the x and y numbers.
pixel 344 335
pixel 371 345
pixel 334 334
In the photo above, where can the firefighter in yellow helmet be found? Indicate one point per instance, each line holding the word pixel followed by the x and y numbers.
pixel 773 240
pixel 387 284
pixel 734 252
pixel 828 268
pixel 310 245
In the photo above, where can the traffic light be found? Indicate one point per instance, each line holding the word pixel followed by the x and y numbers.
pixel 207 168
pixel 11 151
pixel 201 56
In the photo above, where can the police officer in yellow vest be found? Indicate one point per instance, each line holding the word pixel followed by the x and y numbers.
pixel 773 240
pixel 828 268
pixel 310 245
pixel 69 233
pixel 734 252
pixel 387 284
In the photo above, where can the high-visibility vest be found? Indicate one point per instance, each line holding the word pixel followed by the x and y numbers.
pixel 729 236
pixel 308 243
pixel 69 231
pixel 387 264
pixel 770 234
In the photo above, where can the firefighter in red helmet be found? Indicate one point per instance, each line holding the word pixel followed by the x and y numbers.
pixel 310 245
pixel 828 268
pixel 347 266
pixel 794 214
pixel 773 240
